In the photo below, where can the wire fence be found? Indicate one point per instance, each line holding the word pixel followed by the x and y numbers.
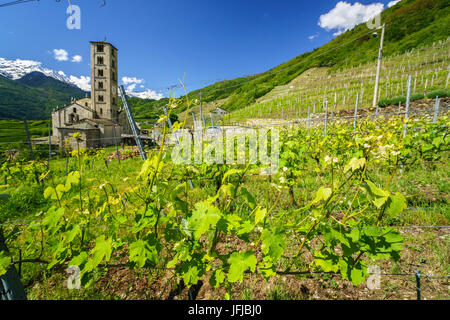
pixel 38 222
pixel 240 126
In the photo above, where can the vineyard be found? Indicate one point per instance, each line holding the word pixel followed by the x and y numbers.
pixel 428 67
pixel 223 154
pixel 373 192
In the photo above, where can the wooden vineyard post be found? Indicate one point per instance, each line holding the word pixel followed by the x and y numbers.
pixel 11 288
pixel 30 146
pixel 446 82
pixel 436 110
pixel 380 57
pixel 117 145
pixel 49 147
pixel 203 119
pixel 309 118
pixel 408 96
pixel 417 274
pixel 356 111
pixel 415 82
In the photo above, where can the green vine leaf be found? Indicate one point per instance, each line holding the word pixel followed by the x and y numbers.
pixel 142 251
pixel 260 214
pixel 327 261
pixel 355 164
pixel 239 262
pixel 101 251
pixel 322 194
pixel 217 278
pixel 378 196
pixel 52 219
pixel 273 244
pixel 248 198
pixel 5 261
pixel 397 204
pixel 204 217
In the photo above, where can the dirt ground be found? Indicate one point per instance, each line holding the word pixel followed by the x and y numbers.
pixel 398 281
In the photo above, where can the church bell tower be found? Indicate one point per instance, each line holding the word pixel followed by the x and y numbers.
pixel 104 79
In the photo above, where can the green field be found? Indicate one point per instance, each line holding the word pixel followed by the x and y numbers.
pixel 13 131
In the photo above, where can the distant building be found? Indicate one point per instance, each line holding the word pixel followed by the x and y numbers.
pixel 95 117
pixel 219 112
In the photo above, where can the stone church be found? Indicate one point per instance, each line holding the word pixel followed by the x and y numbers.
pixel 98 118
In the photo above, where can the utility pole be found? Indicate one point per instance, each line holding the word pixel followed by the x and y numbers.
pixel 201 106
pixel 380 57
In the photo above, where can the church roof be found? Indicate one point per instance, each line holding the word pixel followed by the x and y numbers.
pixel 82 125
pixel 106 43
pixel 104 122
pixel 75 103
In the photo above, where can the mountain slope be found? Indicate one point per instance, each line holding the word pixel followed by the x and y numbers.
pixel 16 69
pixel 39 80
pixel 409 24
pixel 34 96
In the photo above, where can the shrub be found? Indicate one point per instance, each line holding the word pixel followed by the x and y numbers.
pixel 384 102
pixel 417 96
pixel 438 93
pixel 397 100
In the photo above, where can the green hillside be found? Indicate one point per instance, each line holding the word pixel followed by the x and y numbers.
pixel 409 24
pixel 34 96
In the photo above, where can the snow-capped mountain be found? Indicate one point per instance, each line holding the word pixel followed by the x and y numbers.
pixel 16 69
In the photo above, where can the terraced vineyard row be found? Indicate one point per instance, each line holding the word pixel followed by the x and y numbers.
pixel 429 68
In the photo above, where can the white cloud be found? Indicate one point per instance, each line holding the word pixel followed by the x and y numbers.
pixel 346 15
pixel 393 3
pixel 147 94
pixel 129 80
pixel 133 82
pixel 61 54
pixel 131 87
pixel 82 82
pixel 313 36
pixel 77 58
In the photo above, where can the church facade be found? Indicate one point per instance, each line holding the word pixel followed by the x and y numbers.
pixel 98 118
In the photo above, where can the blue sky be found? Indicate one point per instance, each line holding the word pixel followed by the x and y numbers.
pixel 161 40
